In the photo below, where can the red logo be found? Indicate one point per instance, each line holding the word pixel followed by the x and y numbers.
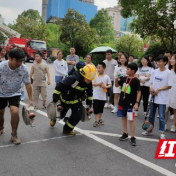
pixel 166 149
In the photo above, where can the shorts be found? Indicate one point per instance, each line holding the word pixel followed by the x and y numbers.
pixel 98 106
pixel 37 90
pixel 9 101
pixel 116 89
pixel 122 111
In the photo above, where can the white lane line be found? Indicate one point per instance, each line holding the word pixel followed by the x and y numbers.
pixel 37 141
pixel 120 150
pixel 118 135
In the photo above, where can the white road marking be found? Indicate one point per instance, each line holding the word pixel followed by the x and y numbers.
pixel 118 135
pixel 37 141
pixel 120 150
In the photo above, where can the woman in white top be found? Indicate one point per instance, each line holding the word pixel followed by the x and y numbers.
pixel 119 71
pixel 143 74
pixel 60 67
pixel 172 92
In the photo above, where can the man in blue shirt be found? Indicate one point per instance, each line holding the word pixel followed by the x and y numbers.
pixel 12 74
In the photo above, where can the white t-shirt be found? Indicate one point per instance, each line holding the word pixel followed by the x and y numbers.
pixel 144 73
pixel 120 71
pixel 61 67
pixel 160 79
pixel 98 93
pixel 110 67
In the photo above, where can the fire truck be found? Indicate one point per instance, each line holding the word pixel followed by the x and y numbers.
pixel 30 46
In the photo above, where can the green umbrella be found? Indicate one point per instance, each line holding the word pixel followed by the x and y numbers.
pixel 102 49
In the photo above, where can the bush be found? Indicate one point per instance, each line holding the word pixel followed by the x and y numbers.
pixel 156 49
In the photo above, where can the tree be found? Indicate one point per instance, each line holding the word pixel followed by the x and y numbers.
pixel 102 23
pixel 75 31
pixel 30 25
pixel 130 44
pixel 153 18
pixel 53 33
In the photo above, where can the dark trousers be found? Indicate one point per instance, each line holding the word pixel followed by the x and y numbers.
pixel 75 117
pixel 145 92
pixel 111 94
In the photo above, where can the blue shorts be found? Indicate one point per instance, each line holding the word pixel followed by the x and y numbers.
pixel 122 111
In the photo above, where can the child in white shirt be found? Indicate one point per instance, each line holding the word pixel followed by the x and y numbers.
pixel 100 86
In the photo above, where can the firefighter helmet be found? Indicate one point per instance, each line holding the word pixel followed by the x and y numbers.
pixel 89 72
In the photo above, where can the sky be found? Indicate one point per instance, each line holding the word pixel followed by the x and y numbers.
pixel 10 9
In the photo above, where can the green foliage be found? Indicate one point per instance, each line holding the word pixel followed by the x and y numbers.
pixel 2 38
pixel 30 25
pixel 153 18
pixel 130 44
pixel 156 49
pixel 102 23
pixel 75 31
pixel 53 36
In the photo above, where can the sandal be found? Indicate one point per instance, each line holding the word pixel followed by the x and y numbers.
pixel 95 124
pixel 101 122
pixel 36 108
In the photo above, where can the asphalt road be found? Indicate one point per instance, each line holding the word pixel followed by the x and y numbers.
pixel 45 151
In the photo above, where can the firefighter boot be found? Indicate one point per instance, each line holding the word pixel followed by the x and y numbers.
pixel 52 123
pixel 73 133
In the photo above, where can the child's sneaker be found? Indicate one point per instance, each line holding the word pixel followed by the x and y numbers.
pixel 114 110
pixel 133 141
pixel 106 105
pixel 162 136
pixel 172 128
pixel 124 137
pixel 110 106
pixel 145 133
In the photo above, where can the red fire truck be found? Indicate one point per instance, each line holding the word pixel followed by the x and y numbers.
pixel 30 46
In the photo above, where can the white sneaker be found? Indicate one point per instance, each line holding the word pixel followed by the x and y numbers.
pixel 157 116
pixel 145 133
pixel 106 105
pixel 172 117
pixel 136 113
pixel 144 113
pixel 162 136
pixel 166 127
pixel 114 110
pixel 172 128
pixel 111 106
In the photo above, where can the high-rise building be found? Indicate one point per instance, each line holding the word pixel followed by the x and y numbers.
pixel 114 12
pixel 120 24
pixel 44 5
pixel 87 1
pixel 58 9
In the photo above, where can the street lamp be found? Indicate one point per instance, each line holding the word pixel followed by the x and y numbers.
pixel 174 23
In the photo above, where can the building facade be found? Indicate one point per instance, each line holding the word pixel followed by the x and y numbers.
pixel 44 5
pixel 54 9
pixel 88 1
pixel 120 24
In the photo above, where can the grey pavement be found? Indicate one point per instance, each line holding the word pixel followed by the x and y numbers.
pixel 45 151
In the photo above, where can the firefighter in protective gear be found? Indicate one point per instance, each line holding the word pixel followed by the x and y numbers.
pixel 71 92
